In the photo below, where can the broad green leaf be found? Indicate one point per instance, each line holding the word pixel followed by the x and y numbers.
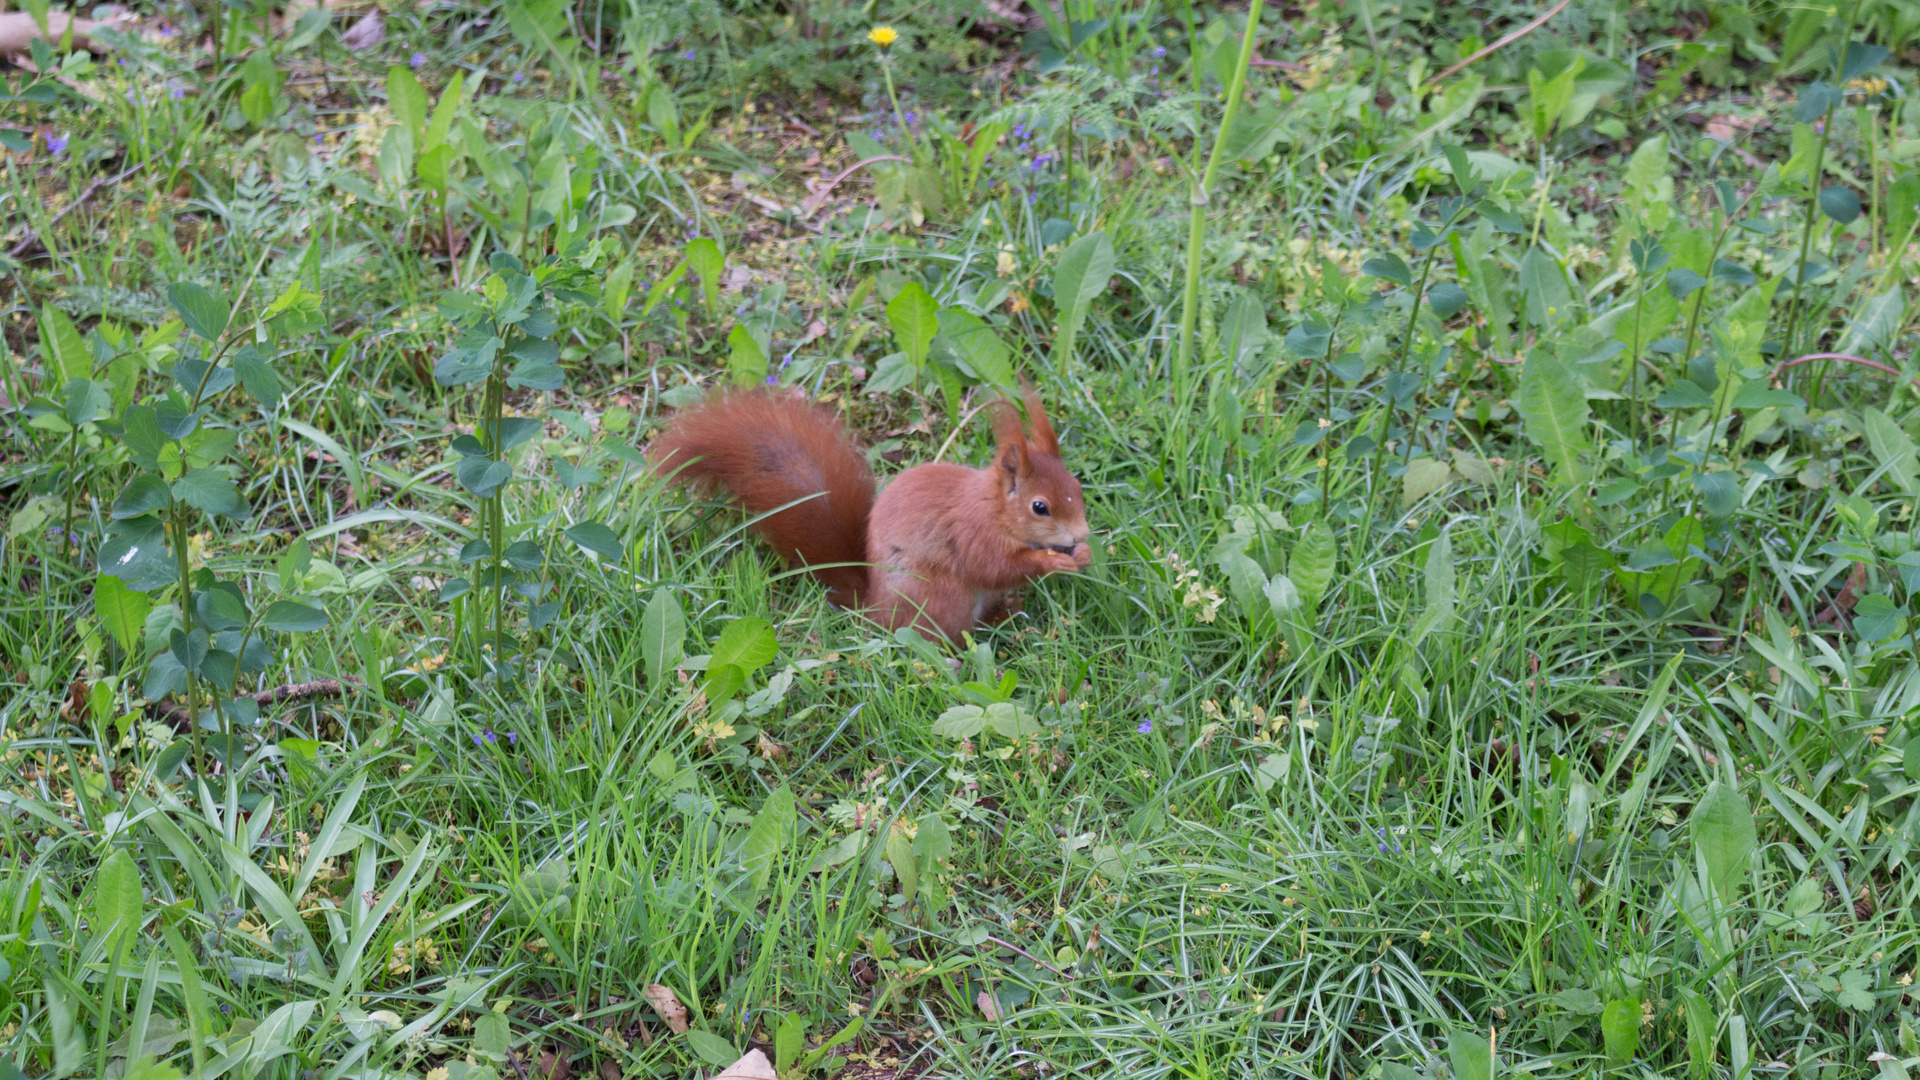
pixel 1084 270
pixel 64 345
pixel 1245 580
pixel 748 643
pixel 1471 1054
pixel 966 339
pixel 614 292
pixel 905 867
pixel 293 617
pixel 443 113
pixel 117 902
pixel 768 836
pixel 961 722
pixel 258 376
pixel 662 288
pixel 210 491
pixel 1840 204
pixel 1877 618
pixel 204 312
pixel 144 494
pixel 1311 564
pixel 1892 449
pixel 1903 209
pixel 1549 302
pixel 1283 599
pixel 1554 409
pixel 121 611
pixel 704 256
pixel 1877 323
pixel 711 1048
pixel 407 99
pixel 598 539
pixel 1438 614
pixel 1723 837
pixel 1423 477
pixel 915 318
pixel 1389 267
pixel 663 631
pixel 1010 721
pixel 1620 1030
pixel 746 361
pixel 492 1035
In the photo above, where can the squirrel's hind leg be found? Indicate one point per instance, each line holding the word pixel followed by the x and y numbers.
pixel 935 608
pixel 999 607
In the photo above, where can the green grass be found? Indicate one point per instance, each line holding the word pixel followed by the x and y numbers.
pixel 1524 662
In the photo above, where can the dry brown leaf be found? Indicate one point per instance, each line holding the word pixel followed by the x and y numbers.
pixel 552 1067
pixel 989 1008
pixel 667 1004
pixel 754 1066
pixel 369 31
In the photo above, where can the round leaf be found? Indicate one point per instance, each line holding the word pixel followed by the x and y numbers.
pixel 1840 204
pixel 205 313
pixel 598 539
pixel 294 617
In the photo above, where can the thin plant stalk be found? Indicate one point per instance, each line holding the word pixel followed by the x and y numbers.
pixel 1813 200
pixel 1197 225
pixel 1406 345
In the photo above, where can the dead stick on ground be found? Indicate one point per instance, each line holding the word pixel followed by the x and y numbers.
pixel 1508 40
pixel 319 688
pixel 86 193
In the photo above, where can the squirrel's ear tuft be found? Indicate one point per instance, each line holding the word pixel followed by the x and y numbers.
pixel 1043 438
pixel 1012 438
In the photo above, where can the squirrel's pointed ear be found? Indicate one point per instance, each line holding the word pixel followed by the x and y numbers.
pixel 1043 438
pixel 1012 438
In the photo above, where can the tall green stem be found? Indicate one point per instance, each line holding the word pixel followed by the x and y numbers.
pixel 1813 199
pixel 1197 226
pixel 182 536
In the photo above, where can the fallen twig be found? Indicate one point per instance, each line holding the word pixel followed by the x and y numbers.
pixel 811 204
pixel 86 193
pixel 1508 40
pixel 1848 357
pixel 317 689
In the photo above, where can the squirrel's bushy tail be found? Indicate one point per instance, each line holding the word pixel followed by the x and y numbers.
pixel 769 449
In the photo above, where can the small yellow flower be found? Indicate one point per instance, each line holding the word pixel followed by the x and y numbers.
pixel 883 36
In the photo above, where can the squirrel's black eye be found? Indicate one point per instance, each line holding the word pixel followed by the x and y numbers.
pixel 1040 507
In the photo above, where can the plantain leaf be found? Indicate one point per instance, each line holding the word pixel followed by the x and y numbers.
pixel 1084 270
pixel 1554 409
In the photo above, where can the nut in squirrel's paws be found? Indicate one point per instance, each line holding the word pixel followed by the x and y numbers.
pixel 1062 559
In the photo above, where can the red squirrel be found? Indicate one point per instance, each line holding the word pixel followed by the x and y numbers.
pixel 943 549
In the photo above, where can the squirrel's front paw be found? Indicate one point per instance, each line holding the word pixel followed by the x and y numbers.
pixel 1082 556
pixel 1051 561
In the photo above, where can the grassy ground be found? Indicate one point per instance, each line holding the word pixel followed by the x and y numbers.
pixel 1498 658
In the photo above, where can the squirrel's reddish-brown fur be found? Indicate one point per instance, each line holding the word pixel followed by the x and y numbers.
pixel 944 547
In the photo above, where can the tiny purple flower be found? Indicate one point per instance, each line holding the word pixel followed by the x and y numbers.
pixel 166 31
pixel 1145 727
pixel 910 116
pixel 513 739
pixel 519 77
pixel 477 741
pixel 418 59
pixel 772 379
pixel 319 139
pixel 1159 50
pixel 688 55
pixel 490 737
pixel 177 93
pixel 56 145
pixel 1155 71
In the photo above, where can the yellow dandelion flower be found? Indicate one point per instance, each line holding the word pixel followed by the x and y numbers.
pixel 883 36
